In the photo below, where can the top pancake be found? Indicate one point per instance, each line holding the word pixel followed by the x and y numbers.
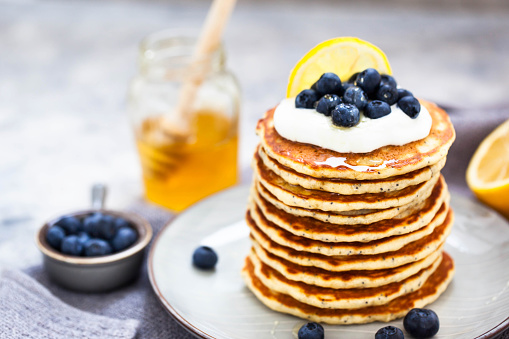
pixel 381 163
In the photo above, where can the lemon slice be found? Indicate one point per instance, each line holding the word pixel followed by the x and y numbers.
pixel 344 56
pixel 488 170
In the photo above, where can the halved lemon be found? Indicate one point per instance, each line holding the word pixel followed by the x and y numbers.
pixel 488 170
pixel 344 56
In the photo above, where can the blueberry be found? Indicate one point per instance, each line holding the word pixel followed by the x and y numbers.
pixel 353 78
pixel 347 85
pixel 388 94
pixel 71 225
pixel 205 258
pixel 356 96
pixel 120 222
pixel 410 106
pixel 329 83
pixel 107 229
pixel 306 99
pixel 97 247
pixel 311 331
pixel 83 237
pixel 368 80
pixel 72 245
pixel 124 238
pixel 403 93
pixel 345 115
pixel 327 103
pixel 54 236
pixel 421 323
pixel 388 80
pixel 377 109
pixel 389 332
pixel 91 224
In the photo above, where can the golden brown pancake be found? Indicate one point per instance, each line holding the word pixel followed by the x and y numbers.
pixel 384 162
pixel 347 279
pixel 312 199
pixel 414 251
pixel 350 298
pixel 348 187
pixel 429 292
pixel 311 228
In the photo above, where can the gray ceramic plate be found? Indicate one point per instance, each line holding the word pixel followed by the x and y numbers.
pixel 218 305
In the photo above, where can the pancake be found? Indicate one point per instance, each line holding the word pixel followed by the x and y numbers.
pixel 299 243
pixel 347 279
pixel 414 251
pixel 383 162
pixel 399 307
pixel 339 298
pixel 342 218
pixel 348 187
pixel 312 199
pixel 311 228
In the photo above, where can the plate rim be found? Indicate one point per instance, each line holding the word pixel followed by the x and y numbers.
pixel 492 333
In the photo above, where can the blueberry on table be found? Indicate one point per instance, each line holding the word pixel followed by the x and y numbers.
pixel 377 109
pixel 311 331
pixel 124 238
pixel 368 80
pixel 327 103
pixel 329 83
pixel 97 247
pixel 410 106
pixel 404 93
pixel 356 96
pixel 54 236
pixel 72 245
pixel 71 225
pixel 388 80
pixel 421 323
pixel 306 99
pixel 204 258
pixel 387 94
pixel 389 332
pixel 345 115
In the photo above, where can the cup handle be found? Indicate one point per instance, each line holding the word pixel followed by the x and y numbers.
pixel 98 196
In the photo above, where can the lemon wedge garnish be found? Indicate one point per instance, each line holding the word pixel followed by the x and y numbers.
pixel 344 56
pixel 488 170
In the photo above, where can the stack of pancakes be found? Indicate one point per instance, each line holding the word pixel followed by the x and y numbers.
pixel 345 238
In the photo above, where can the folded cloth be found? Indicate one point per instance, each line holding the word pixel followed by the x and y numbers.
pixel 29 310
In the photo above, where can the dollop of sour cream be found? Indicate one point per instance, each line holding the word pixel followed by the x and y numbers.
pixel 308 126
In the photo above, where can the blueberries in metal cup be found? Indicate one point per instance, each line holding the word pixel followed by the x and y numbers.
pixel 345 115
pixel 421 323
pixel 205 258
pixel 311 330
pixel 107 229
pixel 91 224
pixel 124 238
pixel 97 247
pixel 356 96
pixel 83 237
pixel 387 94
pixel 377 109
pixel 410 106
pixel 368 80
pixel 388 80
pixel 329 83
pixel 120 222
pixel 71 225
pixel 306 99
pixel 389 332
pixel 403 93
pixel 54 236
pixel 72 245
pixel 327 103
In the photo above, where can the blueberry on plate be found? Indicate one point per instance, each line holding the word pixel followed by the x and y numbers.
pixel 377 109
pixel 71 225
pixel 410 106
pixel 205 258
pixel 72 245
pixel 388 94
pixel 345 115
pixel 388 80
pixel 403 93
pixel 306 99
pixel 368 80
pixel 327 103
pixel 97 247
pixel 329 83
pixel 421 323
pixel 389 332
pixel 124 238
pixel 311 331
pixel 356 96
pixel 54 236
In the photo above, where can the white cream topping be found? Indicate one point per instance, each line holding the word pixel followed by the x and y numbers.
pixel 308 126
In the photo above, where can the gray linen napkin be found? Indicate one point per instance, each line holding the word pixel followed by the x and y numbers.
pixel 28 310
